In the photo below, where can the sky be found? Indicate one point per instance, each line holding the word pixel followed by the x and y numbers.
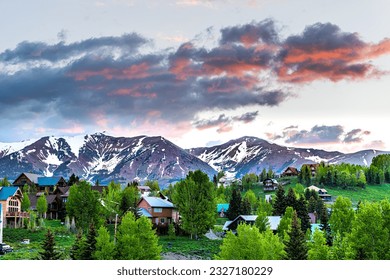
pixel 302 73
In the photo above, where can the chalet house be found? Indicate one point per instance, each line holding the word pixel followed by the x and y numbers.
pixel 274 222
pixel 25 178
pixel 160 211
pixel 11 204
pixel 270 184
pixel 42 183
pixel 290 171
pixel 221 209
pixel 322 193
pixel 312 167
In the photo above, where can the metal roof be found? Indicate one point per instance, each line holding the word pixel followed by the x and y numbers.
pixel 32 177
pixel 144 212
pixel 6 192
pixel 158 202
pixel 48 181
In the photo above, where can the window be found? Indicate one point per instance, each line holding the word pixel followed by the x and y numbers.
pixel 157 210
pixel 162 220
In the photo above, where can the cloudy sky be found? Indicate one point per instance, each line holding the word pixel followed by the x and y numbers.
pixel 304 73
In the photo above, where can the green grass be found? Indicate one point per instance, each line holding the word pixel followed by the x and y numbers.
pixel 370 193
pixel 202 248
pixel 14 236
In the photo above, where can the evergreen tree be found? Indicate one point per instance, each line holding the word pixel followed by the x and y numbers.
pixel 235 205
pixel 291 199
pixel 246 207
pixel 303 214
pixel 325 227
pixel 90 243
pixel 73 180
pixel 49 251
pixel 280 202
pixel 296 247
pixel 105 248
pixel 76 252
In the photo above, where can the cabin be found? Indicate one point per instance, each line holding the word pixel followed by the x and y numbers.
pixel 270 184
pixel 144 190
pixel 11 205
pixel 290 171
pixel 322 193
pixel 161 211
pixel 274 222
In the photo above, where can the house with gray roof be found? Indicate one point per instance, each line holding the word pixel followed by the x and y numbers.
pixel 274 222
pixel 161 211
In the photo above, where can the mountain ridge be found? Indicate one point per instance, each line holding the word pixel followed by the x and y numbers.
pixel 102 157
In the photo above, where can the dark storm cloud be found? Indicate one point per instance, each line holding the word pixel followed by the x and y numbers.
pixel 247 117
pixel 30 51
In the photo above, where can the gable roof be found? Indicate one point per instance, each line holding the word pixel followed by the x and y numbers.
pixel 274 221
pixel 6 192
pixel 144 212
pixel 48 181
pixel 31 176
pixel 158 202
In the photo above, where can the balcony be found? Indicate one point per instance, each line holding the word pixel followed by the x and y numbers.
pixel 17 215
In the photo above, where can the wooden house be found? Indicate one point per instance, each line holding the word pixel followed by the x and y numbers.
pixel 322 193
pixel 312 167
pixel 25 178
pixel 11 204
pixel 270 184
pixel 49 184
pixel 290 171
pixel 160 211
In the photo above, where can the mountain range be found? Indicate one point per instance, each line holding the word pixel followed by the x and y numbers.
pixel 106 158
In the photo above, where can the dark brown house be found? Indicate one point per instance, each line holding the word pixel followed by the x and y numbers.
pixel 290 171
pixel 160 211
pixel 270 184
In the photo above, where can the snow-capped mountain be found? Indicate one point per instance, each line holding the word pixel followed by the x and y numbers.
pixel 104 158
pixel 251 155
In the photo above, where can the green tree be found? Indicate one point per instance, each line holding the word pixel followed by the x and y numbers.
pixel 84 205
pixel 90 243
pixel 136 240
pixel 303 214
pixel 264 206
pixel 49 251
pixel 250 244
pixel 262 222
pixel 77 250
pixel 105 247
pixel 153 185
pixel 325 227
pixel 318 249
pixel 280 204
pixel 195 199
pixel 42 205
pixel 291 198
pixel 342 216
pixel 296 247
pixel 73 179
pixel 285 223
pixel 111 200
pixel 26 203
pixel 369 236
pixel 251 197
pixel 235 205
pixel 129 201
pixel 4 182
pixel 246 207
